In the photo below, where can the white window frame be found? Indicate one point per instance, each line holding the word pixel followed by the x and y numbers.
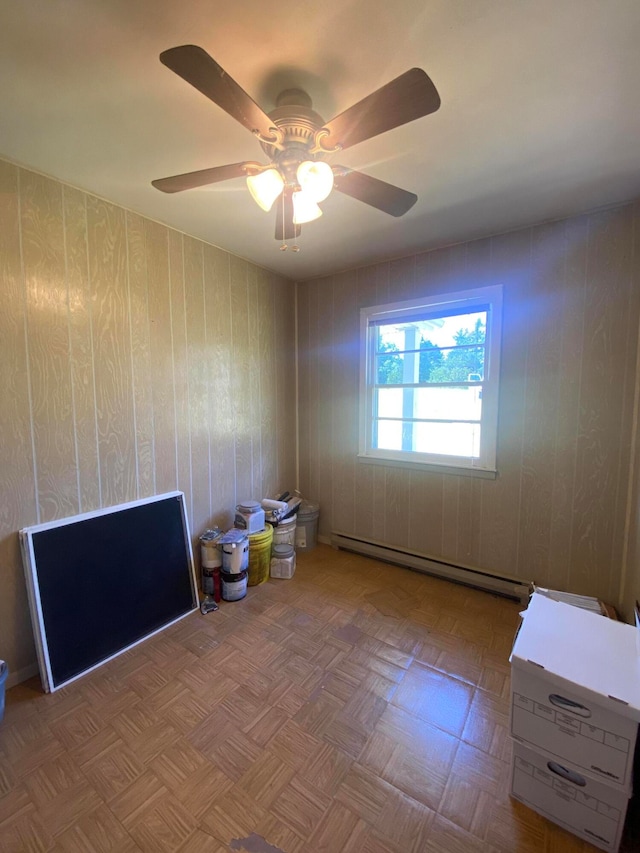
pixel 485 298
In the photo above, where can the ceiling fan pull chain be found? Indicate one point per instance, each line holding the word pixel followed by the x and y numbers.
pixel 283 247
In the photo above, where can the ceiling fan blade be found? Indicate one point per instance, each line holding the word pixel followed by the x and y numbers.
pixel 285 228
pixel 386 197
pixel 194 65
pixel 408 97
pixel 191 180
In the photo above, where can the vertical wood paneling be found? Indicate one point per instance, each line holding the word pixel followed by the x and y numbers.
pixel 396 499
pixel 345 388
pixel 601 399
pixel 49 354
pixel 110 322
pixel 240 400
pixel 116 378
pixel 557 509
pixel 180 368
pixel 267 414
pixel 324 366
pixel 199 385
pixel 574 259
pixel 543 349
pixel 220 367
pixel 160 350
pixel 141 366
pixel 255 401
pixel 624 506
pixel 310 488
pixel 18 506
pixel 285 383
pixel 500 517
pixel 630 579
pixel 304 359
pixel 425 512
pixel 81 347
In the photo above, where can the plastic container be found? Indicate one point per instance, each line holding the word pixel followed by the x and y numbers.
pixel 283 561
pixel 234 587
pixel 307 526
pixel 4 672
pixel 249 517
pixel 260 556
pixel 285 532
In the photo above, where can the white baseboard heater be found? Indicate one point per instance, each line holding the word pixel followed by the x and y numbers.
pixel 477 578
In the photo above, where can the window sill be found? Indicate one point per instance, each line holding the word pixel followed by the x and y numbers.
pixel 434 467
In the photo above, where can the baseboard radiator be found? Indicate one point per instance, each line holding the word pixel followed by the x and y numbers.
pixel 477 578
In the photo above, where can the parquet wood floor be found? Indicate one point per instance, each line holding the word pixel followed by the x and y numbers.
pixel 358 707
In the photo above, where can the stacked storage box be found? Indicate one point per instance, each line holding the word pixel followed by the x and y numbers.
pixel 575 707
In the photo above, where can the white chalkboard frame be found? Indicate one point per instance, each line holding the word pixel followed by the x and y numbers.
pixel 128 592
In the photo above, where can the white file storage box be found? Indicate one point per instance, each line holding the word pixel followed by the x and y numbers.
pixel 575 689
pixel 589 809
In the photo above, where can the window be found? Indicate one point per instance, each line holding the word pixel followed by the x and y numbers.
pixel 429 381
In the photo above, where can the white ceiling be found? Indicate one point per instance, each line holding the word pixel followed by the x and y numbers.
pixel 540 111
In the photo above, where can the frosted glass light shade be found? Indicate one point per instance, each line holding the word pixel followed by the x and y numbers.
pixel 265 187
pixel 315 178
pixel 305 208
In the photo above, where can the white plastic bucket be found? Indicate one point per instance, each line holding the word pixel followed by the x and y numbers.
pixel 307 526
pixel 285 532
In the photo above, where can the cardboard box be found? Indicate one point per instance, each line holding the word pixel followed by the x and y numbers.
pixel 575 683
pixel 589 809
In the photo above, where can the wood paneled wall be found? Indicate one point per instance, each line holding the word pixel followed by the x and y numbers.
pixel 133 361
pixel 557 513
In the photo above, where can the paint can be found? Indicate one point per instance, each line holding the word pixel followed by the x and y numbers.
pixel 209 548
pixel 235 552
pixel 211 560
pixel 234 587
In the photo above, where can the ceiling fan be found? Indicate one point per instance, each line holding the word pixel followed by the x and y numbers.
pixel 297 141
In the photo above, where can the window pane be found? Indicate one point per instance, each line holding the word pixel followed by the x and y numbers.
pixel 455 403
pixel 452 331
pixel 389 435
pixel 442 439
pixel 390 402
pixel 462 364
pixel 448 439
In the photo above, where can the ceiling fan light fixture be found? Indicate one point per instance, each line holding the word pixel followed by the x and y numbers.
pixel 305 208
pixel 315 178
pixel 265 187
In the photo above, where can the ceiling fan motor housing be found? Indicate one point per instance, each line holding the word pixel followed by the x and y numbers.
pixel 298 124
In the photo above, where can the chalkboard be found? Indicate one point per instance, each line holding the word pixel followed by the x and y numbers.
pixel 101 582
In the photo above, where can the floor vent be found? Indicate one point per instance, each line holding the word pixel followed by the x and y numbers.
pixel 487 581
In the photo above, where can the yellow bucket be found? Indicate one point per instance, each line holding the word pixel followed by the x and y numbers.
pixel 260 555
